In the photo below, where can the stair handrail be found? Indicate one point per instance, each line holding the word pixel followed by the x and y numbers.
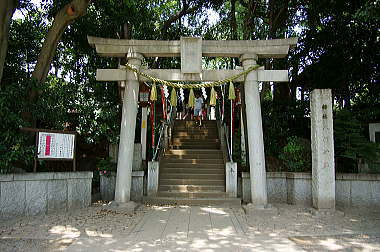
pixel 221 117
pixel 164 125
pixel 229 149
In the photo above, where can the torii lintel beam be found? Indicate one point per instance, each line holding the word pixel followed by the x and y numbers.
pixel 205 76
pixel 274 48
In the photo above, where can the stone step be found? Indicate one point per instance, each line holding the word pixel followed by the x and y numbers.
pixel 193 188
pixel 185 176
pixel 190 182
pixel 191 170
pixel 196 131
pixel 192 166
pixel 200 144
pixel 193 133
pixel 194 202
pixel 194 156
pixel 213 146
pixel 174 194
pixel 195 141
pixel 193 123
pixel 171 159
pixel 195 137
pixel 192 152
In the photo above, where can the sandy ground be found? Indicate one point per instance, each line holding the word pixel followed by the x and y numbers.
pixel 57 231
pixel 184 228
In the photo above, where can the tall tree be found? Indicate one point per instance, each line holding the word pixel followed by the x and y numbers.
pixel 7 8
pixel 64 17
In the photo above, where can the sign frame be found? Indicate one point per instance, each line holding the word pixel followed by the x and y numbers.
pixel 38 131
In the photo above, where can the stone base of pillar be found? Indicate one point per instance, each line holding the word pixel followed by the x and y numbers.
pixel 260 212
pixel 153 173
pixel 125 207
pixel 231 179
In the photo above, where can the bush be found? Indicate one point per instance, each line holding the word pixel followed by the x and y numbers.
pixel 106 166
pixel 296 155
pixel 349 139
pixel 16 149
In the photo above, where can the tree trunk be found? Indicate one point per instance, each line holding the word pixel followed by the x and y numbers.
pixel 7 8
pixel 65 16
pixel 278 15
pixel 249 18
pixel 234 35
pixel 71 11
pixel 266 90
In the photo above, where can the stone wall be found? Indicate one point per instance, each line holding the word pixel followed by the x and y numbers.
pixel 107 186
pixel 44 192
pixel 351 190
pixel 358 190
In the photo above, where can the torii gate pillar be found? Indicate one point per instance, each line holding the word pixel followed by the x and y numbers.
pixel 255 134
pixel 127 131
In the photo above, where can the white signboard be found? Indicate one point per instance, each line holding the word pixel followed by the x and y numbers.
pixel 55 145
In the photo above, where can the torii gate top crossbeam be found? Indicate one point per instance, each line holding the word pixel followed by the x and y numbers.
pixel 274 48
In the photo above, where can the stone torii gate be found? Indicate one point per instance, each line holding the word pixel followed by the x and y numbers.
pixel 191 50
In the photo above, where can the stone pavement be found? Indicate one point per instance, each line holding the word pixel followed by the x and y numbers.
pixel 184 228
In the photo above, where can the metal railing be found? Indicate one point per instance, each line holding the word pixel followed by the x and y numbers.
pixel 226 130
pixel 160 147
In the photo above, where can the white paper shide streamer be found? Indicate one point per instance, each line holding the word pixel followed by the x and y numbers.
pixel 204 93
pixel 166 91
pixel 182 94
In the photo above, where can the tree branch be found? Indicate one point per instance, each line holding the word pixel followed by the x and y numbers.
pixel 71 11
pixel 186 9
pixel 7 8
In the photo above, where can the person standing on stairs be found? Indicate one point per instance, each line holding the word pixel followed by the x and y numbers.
pixel 198 109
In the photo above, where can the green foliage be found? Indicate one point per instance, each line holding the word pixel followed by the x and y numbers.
pixel 15 149
pixel 279 122
pixel 296 155
pixel 349 140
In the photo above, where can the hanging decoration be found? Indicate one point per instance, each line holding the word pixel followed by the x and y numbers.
pixel 182 94
pixel 231 92
pixel 198 85
pixel 204 93
pixel 173 98
pixel 166 91
pixel 191 98
pixel 153 92
pixel 152 121
pixel 163 101
pixel 213 97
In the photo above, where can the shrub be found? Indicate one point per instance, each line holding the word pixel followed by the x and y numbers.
pixel 296 155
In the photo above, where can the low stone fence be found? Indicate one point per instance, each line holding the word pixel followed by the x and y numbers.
pixel 351 190
pixel 107 186
pixel 44 192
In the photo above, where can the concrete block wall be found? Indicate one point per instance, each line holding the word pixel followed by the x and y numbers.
pixel 276 187
pixel 357 190
pixel 107 186
pixel 351 190
pixel 42 193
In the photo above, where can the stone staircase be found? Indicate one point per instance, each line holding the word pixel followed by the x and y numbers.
pixel 193 169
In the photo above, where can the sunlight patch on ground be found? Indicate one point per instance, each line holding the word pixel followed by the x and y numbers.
pixel 65 231
pixel 214 210
pixel 330 244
